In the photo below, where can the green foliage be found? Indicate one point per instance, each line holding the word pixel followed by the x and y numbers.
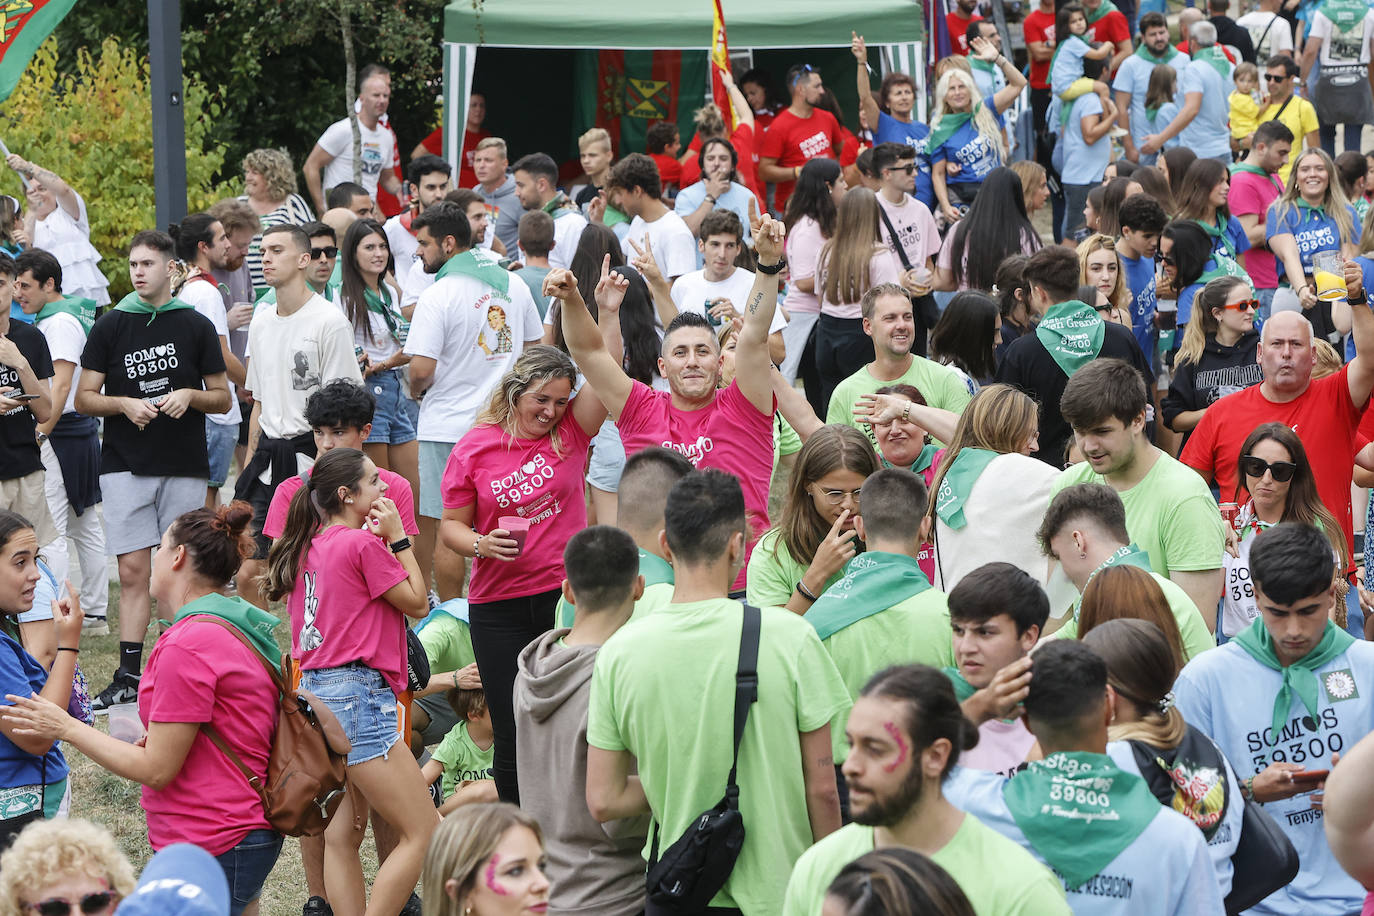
pixel 93 127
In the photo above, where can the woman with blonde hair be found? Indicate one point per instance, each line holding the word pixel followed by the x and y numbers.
pixel 72 862
pixel 486 860
pixel 269 187
pixel 1099 266
pixel 1217 356
pixel 1035 183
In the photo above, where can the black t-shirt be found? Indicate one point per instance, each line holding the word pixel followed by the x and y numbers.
pixel 149 360
pixel 19 455
pixel 1029 366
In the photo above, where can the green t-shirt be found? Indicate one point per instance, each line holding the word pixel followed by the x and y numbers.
pixel 664 690
pixel 463 760
pixel 996 874
pixel 940 385
pixel 916 631
pixel 1191 627
pixel 447 642
pixel 1170 515
pixel 658 591
pixel 773 575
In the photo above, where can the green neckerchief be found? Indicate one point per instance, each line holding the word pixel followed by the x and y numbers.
pixel 977 63
pixel 614 217
pixel 83 310
pixel 252 622
pixel 654 569
pixel 1079 810
pixel 1218 231
pixel 1130 555
pixel 396 324
pixel 923 460
pixel 1271 177
pixel 1144 53
pixel 1344 14
pixel 872 582
pixel 1216 59
pixel 480 265
pixel 1107 7
pixel 136 306
pixel 958 482
pixel 1150 113
pixel 1299 678
pixel 560 206
pixel 1222 266
pixel 962 688
pixel 951 121
pixel 1072 331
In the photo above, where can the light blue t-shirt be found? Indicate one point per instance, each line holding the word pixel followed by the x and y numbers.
pixel 1162 119
pixel 1313 230
pixel 988 81
pixel 1140 280
pixel 1229 696
pixel 1068 63
pixel 1166 870
pixel 914 135
pixel 1084 163
pixel 975 155
pixel 1209 133
pixel 1133 76
pixel 735 199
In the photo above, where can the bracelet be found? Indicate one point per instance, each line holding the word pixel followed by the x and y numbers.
pixel 477 546
pixel 805 592
pixel 1247 788
pixel 906 413
pixel 711 200
pixel 67 649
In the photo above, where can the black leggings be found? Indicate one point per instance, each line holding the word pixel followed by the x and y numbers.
pixel 500 631
pixel 842 348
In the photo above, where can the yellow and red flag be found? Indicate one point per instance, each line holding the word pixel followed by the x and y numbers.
pixel 24 25
pixel 720 63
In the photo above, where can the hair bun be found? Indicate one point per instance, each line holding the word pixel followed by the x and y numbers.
pixel 234 518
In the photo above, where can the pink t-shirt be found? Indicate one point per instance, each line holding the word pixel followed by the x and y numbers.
pixel 503 475
pixel 730 434
pixel 916 230
pixel 883 267
pixel 397 490
pixel 803 248
pixel 1002 747
pixel 925 557
pixel 1252 194
pixel 945 261
pixel 338 614
pixel 199 672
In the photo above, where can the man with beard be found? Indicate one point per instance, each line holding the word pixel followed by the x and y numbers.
pixel 1133 82
pixel 429 182
pixel 906 732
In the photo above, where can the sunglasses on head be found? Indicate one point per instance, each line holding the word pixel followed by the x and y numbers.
pixel 1244 305
pixel 1282 471
pixel 806 69
pixel 331 251
pixel 90 904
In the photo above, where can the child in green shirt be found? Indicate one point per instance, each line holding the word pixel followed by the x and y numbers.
pixel 463 758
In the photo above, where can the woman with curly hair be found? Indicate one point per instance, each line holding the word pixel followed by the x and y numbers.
pixel 71 861
pixel 269 187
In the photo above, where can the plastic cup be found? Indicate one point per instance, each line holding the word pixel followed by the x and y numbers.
pixel 125 723
pixel 1328 271
pixel 518 527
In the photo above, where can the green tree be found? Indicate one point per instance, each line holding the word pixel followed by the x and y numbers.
pixel 93 126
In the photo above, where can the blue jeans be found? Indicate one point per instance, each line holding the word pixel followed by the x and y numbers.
pixel 247 866
pixel 219 444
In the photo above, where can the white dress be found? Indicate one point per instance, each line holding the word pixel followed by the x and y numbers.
pixel 69 240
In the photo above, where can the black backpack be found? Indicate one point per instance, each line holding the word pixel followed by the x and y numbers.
pixel 696 867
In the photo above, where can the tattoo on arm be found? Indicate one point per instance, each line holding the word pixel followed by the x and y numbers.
pixel 754 302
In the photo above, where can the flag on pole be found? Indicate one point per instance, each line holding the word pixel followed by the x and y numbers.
pixel 24 25
pixel 720 63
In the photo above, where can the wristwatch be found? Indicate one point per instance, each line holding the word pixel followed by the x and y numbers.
pixel 398 546
pixel 772 269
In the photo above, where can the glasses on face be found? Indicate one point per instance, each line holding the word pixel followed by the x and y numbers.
pixel 1244 305
pixel 835 497
pixel 908 168
pixel 1282 471
pixel 90 904
pixel 1162 258
pixel 331 251
pixel 1271 78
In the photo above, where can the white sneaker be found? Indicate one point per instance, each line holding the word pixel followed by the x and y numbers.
pixel 94 626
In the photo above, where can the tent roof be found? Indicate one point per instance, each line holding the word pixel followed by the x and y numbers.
pixel 679 24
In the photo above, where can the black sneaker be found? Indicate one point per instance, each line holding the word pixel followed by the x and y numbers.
pixel 123 689
pixel 412 907
pixel 317 906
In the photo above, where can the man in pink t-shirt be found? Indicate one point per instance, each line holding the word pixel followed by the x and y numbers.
pixel 729 429
pixel 1255 185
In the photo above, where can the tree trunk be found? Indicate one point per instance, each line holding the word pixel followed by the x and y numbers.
pixel 350 88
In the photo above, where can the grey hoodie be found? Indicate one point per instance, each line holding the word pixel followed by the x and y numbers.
pixel 592 868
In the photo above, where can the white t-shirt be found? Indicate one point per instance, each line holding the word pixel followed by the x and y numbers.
pixel 567 232
pixel 66 339
pixel 456 323
pixel 1280 37
pixel 675 248
pixel 383 344
pixel 405 251
pixel 1343 48
pixel 206 298
pixel 378 151
pixel 690 292
pixel 291 358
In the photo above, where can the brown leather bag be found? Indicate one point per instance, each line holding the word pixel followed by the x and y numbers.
pixel 307 770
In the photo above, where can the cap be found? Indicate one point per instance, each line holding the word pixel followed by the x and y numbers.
pixel 181 880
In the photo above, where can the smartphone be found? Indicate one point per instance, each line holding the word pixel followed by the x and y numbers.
pixel 19 395
pixel 1310 777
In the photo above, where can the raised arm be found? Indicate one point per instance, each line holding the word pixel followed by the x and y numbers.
pixel 743 113
pixel 1016 81
pixel 66 197
pixel 606 376
pixel 867 103
pixel 752 364
pixel 660 289
pixel 795 408
pixel 1360 375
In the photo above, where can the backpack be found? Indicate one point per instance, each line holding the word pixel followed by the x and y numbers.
pixel 307 770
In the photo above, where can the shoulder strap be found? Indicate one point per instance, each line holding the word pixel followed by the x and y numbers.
pixel 1263 35
pixel 896 242
pixel 746 687
pixel 1286 102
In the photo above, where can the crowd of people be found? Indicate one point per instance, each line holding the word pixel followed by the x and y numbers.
pixel 983 569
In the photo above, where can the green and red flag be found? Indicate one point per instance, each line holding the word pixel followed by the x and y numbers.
pixel 24 25
pixel 720 64
pixel 624 91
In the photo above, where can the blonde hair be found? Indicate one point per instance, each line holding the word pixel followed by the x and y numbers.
pixel 534 368
pixel 45 852
pixel 1328 360
pixel 984 121
pixel 492 143
pixel 463 841
pixel 709 121
pixel 1032 175
pixel 1204 324
pixel 843 265
pixel 1120 296
pixel 275 167
pixel 595 135
pixel 1335 203
pixel 1245 71
pixel 999 418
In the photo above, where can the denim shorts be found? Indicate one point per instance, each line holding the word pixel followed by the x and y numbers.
pixel 608 458
pixel 247 866
pixel 433 460
pixel 219 442
pixel 364 705
pixel 391 422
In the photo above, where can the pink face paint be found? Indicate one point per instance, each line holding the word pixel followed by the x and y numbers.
pixel 491 878
pixel 903 751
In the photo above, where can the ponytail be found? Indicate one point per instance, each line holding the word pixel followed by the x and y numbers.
pixel 311 506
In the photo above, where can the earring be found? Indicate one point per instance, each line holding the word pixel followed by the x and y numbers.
pixel 1082 555
pixel 348 500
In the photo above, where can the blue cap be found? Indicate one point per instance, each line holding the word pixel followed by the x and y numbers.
pixel 181 880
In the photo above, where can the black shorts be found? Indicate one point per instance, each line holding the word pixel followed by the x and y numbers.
pixel 259 496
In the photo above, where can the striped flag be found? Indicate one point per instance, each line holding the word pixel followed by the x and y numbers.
pixel 24 25
pixel 720 63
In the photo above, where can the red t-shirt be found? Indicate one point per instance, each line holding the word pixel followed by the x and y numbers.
pixel 669 169
pixel 434 143
pixel 397 490
pixel 1252 194
pixel 792 141
pixel 958 30
pixel 1039 26
pixel 1323 416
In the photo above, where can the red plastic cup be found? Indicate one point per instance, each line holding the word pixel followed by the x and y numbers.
pixel 518 527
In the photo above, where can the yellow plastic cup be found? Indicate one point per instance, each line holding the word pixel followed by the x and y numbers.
pixel 1329 274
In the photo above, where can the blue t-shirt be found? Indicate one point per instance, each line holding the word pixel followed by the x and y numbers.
pixel 736 199
pixel 1186 295
pixel 975 156
pixel 1313 230
pixel 1084 163
pixel 1229 696
pixel 1209 133
pixel 1162 119
pixel 18 314
pixel 1133 76
pixel 20 674
pixel 1067 64
pixel 913 134
pixel 1235 233
pixel 1140 280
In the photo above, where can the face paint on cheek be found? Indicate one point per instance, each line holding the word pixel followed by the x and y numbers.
pixel 491 878
pixel 902 750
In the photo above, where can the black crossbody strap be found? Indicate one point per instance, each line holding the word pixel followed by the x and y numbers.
pixel 896 240
pixel 746 685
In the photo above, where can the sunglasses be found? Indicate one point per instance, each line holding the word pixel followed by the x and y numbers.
pixel 330 252
pixel 90 904
pixel 908 168
pixel 1162 258
pixel 1244 305
pixel 1271 78
pixel 1251 466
